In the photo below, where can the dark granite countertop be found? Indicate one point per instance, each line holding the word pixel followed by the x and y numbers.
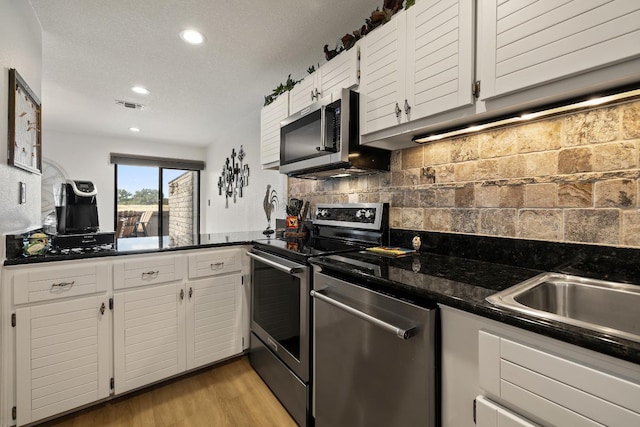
pixel 464 284
pixel 143 245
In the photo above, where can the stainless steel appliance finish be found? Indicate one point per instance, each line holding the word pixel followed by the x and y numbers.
pixel 598 305
pixel 281 305
pixel 280 309
pixel 374 358
pixel 323 140
pixel 279 340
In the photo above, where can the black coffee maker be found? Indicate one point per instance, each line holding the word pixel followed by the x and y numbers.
pixel 76 208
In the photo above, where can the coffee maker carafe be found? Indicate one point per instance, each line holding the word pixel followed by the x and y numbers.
pixel 76 208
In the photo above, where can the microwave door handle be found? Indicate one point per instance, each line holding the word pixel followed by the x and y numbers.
pixel 323 124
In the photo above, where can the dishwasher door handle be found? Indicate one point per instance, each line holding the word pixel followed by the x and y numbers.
pixel 277 266
pixel 401 333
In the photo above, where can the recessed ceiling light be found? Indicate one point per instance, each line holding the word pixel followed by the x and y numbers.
pixel 192 36
pixel 141 90
pixel 134 129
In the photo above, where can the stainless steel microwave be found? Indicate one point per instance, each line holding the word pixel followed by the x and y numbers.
pixel 323 141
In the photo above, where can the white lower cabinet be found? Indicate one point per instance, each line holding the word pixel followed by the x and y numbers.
pixel 62 356
pixel 213 319
pixel 148 335
pixel 556 388
pixel 526 379
pixel 75 332
pixel 161 330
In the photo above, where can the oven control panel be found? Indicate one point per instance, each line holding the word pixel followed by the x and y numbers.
pixel 360 215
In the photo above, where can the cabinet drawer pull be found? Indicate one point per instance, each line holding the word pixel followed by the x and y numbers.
pixel 217 266
pixel 62 284
pixel 150 274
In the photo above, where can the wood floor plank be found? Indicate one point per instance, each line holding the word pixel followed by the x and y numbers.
pixel 231 394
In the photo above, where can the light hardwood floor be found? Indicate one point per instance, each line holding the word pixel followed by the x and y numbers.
pixel 231 394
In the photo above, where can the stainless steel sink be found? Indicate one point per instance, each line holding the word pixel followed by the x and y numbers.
pixel 609 307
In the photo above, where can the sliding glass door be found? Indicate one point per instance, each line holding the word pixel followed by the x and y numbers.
pixel 156 201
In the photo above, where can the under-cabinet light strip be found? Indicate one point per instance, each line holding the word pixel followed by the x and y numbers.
pixel 544 114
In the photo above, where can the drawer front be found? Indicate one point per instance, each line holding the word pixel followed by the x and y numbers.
pixel 215 262
pixel 147 271
pixel 44 283
pixel 565 391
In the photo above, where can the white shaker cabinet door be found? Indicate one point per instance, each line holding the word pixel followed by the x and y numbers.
pixel 214 319
pixel 382 85
pixel 524 44
pixel 148 333
pixel 62 356
pixel 440 43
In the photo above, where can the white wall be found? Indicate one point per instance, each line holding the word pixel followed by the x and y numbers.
pixel 20 48
pixel 247 213
pixel 86 157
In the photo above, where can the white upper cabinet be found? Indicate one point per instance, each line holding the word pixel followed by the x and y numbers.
pixel 439 56
pixel 270 118
pixel 341 72
pixel 417 65
pixel 383 68
pixel 526 43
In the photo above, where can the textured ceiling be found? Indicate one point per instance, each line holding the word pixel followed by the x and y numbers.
pixel 95 50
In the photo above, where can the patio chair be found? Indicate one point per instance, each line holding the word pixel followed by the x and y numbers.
pixel 141 224
pixel 126 223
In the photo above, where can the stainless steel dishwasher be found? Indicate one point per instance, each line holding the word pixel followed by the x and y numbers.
pixel 373 358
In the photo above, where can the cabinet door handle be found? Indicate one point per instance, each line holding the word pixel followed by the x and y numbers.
pixel 62 284
pixel 318 94
pixel 150 274
pixel 312 96
pixel 398 111
pixel 190 292
pixel 181 294
pixel 102 309
pixel 217 266
pixel 407 107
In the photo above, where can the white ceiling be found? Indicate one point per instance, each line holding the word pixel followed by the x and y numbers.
pixel 95 50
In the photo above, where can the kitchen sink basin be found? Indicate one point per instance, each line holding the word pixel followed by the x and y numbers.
pixel 608 307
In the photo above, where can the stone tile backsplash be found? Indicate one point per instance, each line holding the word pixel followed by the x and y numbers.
pixel 568 179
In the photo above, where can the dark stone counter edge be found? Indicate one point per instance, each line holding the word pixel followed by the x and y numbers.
pixel 600 342
pixel 116 253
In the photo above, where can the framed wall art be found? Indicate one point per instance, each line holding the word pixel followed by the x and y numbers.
pixel 25 119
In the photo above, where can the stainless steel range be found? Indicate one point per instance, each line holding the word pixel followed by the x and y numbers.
pixel 282 281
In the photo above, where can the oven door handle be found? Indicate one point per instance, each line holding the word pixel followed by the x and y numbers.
pixel 401 333
pixel 278 266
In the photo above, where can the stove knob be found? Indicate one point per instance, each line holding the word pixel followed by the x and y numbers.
pixel 368 214
pixel 359 214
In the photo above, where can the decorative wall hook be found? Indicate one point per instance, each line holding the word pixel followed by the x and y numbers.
pixel 234 177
